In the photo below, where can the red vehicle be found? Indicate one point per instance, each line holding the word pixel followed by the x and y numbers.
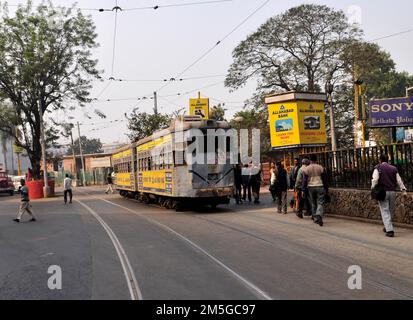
pixel 6 184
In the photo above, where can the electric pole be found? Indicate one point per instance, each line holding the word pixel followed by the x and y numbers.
pixel 155 102
pixel 81 155
pixel 44 159
pixel 330 90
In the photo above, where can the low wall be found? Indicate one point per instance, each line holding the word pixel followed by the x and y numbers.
pixel 358 204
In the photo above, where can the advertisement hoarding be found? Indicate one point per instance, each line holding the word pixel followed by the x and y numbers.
pixel 297 123
pixel 395 112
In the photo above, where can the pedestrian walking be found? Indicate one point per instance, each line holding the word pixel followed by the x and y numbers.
pixel 302 198
pixel 293 179
pixel 25 205
pixel 315 183
pixel 238 183
pixel 246 182
pixel 67 189
pixel 109 181
pixel 256 180
pixel 387 177
pixel 282 188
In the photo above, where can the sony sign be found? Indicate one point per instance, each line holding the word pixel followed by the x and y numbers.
pixel 395 112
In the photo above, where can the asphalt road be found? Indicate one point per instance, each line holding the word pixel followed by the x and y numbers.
pixel 113 248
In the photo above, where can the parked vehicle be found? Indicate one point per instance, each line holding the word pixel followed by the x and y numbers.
pixel 6 184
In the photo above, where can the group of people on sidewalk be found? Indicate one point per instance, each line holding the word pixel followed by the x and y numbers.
pixel 309 182
pixel 247 180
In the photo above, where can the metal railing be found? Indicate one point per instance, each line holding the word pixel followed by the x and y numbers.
pixel 353 168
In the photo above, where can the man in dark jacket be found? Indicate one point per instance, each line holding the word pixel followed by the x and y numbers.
pixel 387 176
pixel 282 188
pixel 238 183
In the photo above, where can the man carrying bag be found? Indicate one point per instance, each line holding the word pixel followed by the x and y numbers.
pixel 385 181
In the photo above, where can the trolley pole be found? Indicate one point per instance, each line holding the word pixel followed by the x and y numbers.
pixel 81 155
pixel 155 101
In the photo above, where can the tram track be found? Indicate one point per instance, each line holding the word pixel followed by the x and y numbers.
pixel 371 282
pixel 255 290
pixel 133 286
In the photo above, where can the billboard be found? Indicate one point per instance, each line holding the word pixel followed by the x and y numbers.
pixel 102 162
pixel 199 107
pixel 297 124
pixel 395 112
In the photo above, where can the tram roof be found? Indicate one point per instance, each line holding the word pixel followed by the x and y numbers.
pixel 184 124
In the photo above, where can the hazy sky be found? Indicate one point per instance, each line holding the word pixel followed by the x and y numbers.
pixel 159 44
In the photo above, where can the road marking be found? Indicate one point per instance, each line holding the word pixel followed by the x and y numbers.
pixel 135 292
pixel 253 288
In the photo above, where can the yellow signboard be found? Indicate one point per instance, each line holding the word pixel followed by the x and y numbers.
pixel 199 107
pixel 297 123
pixel 156 181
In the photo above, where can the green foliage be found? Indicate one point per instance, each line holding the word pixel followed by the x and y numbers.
pixel 217 113
pixel 45 62
pixel 300 50
pixel 89 146
pixel 254 119
pixel 142 124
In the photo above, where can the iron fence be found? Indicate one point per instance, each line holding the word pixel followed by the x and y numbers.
pixel 353 168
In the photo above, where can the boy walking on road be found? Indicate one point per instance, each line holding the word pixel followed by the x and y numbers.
pixel 25 202
pixel 67 184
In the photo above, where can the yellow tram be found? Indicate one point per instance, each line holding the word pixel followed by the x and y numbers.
pixel 155 169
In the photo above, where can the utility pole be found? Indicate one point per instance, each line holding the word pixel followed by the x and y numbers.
pixel 44 158
pixel 18 154
pixel 12 156
pixel 155 101
pixel 81 155
pixel 73 153
pixel 332 120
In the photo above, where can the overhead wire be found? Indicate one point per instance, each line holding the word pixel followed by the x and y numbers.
pixel 207 52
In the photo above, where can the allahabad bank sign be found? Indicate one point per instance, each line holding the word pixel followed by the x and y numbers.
pixel 397 112
pixel 297 122
pixel 199 107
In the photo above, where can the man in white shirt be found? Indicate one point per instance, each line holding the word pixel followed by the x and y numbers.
pixel 67 185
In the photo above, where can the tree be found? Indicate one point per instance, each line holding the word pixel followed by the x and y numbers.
pixel 254 118
pixel 300 50
pixel 142 124
pixel 217 113
pixel 375 67
pixel 45 64
pixel 89 146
